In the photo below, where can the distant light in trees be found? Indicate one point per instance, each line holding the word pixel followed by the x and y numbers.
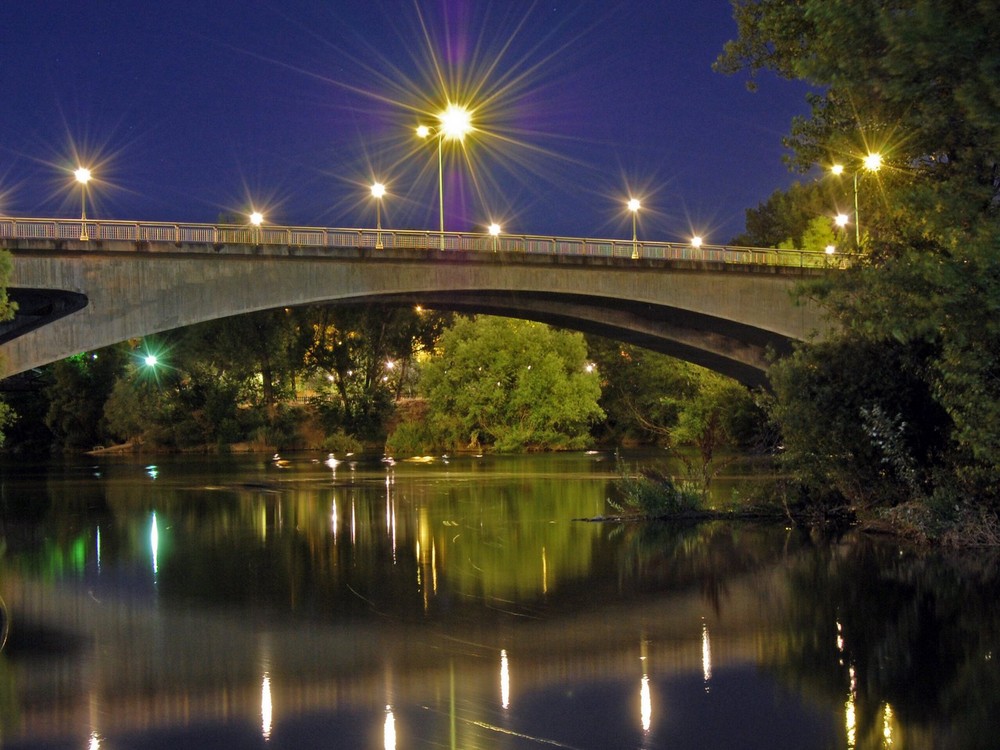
pixel 873 162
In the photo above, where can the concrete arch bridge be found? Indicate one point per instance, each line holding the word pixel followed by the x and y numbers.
pixel 718 306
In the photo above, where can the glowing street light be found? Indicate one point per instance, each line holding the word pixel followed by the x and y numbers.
pixel 696 241
pixel 453 124
pixel 841 220
pixel 871 163
pixel 634 205
pixel 378 192
pixel 257 218
pixel 82 175
pixel 494 230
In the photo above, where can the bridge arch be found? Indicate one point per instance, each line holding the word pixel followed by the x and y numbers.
pixel 89 294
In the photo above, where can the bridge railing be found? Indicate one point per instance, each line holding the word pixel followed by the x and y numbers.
pixel 320 237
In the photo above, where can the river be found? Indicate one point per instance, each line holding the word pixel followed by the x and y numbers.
pixel 296 602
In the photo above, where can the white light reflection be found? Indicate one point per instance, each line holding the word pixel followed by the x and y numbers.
pixel 706 655
pixel 645 696
pixel 504 680
pixel 390 729
pixel 887 725
pixel 98 550
pixel 95 741
pixel 333 520
pixel 154 544
pixel 647 704
pixel 354 522
pixel 850 714
pixel 265 707
pixel 840 641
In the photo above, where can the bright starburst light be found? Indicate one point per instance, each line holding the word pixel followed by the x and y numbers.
pixel 456 122
pixel 495 93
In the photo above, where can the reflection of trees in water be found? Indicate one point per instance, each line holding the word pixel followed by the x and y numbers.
pixel 907 642
pixel 665 555
pixel 414 541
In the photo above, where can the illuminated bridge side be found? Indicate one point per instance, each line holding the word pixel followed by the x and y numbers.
pixel 722 307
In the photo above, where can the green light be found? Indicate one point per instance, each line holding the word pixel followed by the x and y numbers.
pixel 150 360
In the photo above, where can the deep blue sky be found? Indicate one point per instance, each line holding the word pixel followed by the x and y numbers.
pixel 188 109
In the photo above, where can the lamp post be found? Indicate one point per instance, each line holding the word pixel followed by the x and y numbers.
pixel 494 230
pixel 257 218
pixel 82 175
pixel 453 124
pixel 634 205
pixel 871 163
pixel 378 191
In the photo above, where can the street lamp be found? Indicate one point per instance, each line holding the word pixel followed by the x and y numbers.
pixel 82 175
pixel 871 163
pixel 494 230
pixel 453 124
pixel 378 191
pixel 634 205
pixel 257 218
pixel 696 241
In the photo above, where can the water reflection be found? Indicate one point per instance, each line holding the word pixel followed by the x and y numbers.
pixel 298 604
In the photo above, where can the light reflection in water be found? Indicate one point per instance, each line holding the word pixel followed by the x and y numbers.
pixel 706 655
pixel 265 707
pixel 887 725
pixel 647 704
pixel 333 520
pixel 390 729
pixel 504 680
pixel 850 713
pixel 154 544
pixel 95 741
pixel 645 697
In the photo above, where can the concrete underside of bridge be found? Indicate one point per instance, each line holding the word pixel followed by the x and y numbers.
pixel 80 296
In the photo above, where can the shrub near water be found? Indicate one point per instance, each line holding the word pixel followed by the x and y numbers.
pixel 652 493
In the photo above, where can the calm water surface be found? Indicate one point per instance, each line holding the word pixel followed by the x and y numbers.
pixel 243 602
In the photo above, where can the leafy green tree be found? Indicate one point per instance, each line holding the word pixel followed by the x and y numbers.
pixel 634 383
pixel 77 392
pixel 365 354
pixel 511 384
pixel 257 350
pixel 918 83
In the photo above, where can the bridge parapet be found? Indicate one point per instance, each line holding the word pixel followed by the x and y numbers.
pixel 188 235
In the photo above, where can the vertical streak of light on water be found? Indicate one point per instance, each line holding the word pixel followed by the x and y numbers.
pixel 504 680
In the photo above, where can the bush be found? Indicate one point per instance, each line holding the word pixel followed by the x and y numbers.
pixel 411 439
pixel 652 493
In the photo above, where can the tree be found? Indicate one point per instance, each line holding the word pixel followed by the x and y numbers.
pixel 919 83
pixel 79 387
pixel 366 353
pixel 511 384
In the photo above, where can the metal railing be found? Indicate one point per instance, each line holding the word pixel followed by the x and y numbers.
pixel 431 241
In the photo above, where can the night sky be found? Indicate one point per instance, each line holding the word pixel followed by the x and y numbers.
pixel 190 110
